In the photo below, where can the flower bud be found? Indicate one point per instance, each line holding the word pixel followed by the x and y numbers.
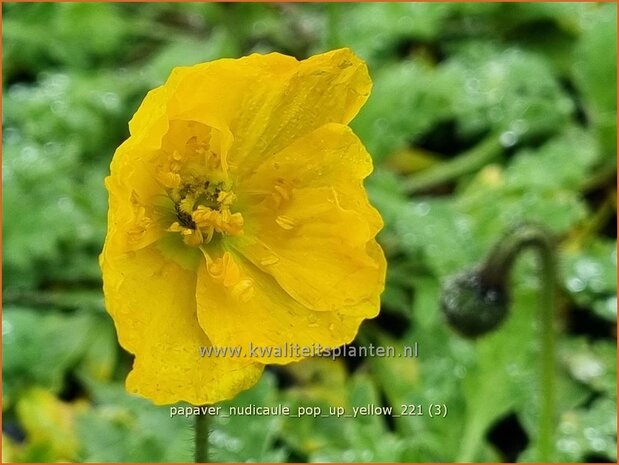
pixel 471 306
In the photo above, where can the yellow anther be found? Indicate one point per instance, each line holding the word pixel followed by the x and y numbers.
pixel 243 291
pixel 269 260
pixel 282 192
pixel 228 272
pixel 168 178
pixel 191 237
pixel 226 198
pixel 204 217
pixel 221 221
pixel 138 230
pixel 204 204
pixel 235 224
pixel 285 222
pixel 175 227
pixel 186 205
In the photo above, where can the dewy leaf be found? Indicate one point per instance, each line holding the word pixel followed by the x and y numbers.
pixel 520 193
pixel 433 230
pixel 344 439
pixel 72 35
pixel 377 29
pixel 590 276
pixel 545 168
pixel 120 427
pixel 587 432
pixel 595 72
pixel 248 438
pixel 408 98
pixel 504 376
pixel 508 91
pixel 39 347
pixel 593 364
pixel 55 137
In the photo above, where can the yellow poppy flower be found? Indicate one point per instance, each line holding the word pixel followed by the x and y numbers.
pixel 237 216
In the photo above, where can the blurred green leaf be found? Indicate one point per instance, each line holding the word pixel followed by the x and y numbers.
pixel 595 73
pixel 238 438
pixel 590 276
pixel 50 427
pixel 378 29
pixel 39 348
pixel 120 427
pixel 509 91
pixel 408 98
pixel 587 432
pixel 593 364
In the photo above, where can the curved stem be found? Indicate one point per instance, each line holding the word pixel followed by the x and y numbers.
pixel 201 438
pixel 468 162
pixel 493 272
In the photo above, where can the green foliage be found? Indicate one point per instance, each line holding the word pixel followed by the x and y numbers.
pixel 482 116
pixel 590 276
pixel 241 438
pixel 121 428
pixel 40 349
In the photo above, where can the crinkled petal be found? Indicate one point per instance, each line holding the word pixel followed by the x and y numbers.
pixel 268 101
pixel 152 301
pixel 308 221
pixel 269 320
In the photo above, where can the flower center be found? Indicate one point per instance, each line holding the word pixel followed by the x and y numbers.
pixel 202 209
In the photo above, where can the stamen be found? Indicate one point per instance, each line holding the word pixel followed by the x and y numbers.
pixel 226 270
pixel 285 222
pixel 205 206
pixel 202 202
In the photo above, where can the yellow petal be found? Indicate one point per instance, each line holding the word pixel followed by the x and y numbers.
pixel 153 304
pixel 330 156
pixel 267 318
pixel 132 221
pixel 151 118
pixel 140 210
pixel 268 101
pixel 317 237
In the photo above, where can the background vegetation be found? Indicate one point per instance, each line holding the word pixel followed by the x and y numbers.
pixel 482 115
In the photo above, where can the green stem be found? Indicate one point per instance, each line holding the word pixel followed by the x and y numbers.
pixel 548 405
pixel 493 272
pixel 202 427
pixel 468 162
